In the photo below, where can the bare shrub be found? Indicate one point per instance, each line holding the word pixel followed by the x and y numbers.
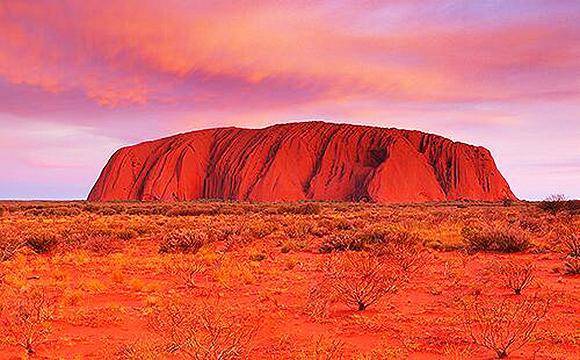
pixel 26 318
pixel 503 325
pixel 553 203
pixel 182 241
pixel 516 276
pixel 204 332
pixel 571 244
pixel 368 239
pixel 186 272
pixel 501 239
pixel 101 244
pixel 360 279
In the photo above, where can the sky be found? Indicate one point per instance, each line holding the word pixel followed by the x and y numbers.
pixel 79 79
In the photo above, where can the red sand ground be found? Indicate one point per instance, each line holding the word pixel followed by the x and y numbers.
pixel 107 294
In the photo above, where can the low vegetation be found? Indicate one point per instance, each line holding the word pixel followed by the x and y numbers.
pixel 516 276
pixel 503 239
pixel 360 279
pixel 306 280
pixel 503 325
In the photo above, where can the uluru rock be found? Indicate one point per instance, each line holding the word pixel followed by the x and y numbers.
pixel 302 161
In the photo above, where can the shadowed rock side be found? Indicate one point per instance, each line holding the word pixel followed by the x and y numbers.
pixel 313 160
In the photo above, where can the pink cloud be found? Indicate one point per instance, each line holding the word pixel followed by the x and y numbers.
pixel 139 52
pixel 125 71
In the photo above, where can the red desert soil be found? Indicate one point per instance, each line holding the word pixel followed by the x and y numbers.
pixel 143 280
pixel 302 161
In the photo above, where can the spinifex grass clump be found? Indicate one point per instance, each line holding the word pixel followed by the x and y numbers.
pixel 503 239
pixel 183 241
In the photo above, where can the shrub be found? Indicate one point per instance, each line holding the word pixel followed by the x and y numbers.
pixel 572 265
pixel 495 239
pixel 182 241
pixel 407 255
pixel 42 241
pixel 139 350
pixel 572 244
pixel 507 202
pixel 26 319
pixel 127 234
pixel 516 276
pixel 503 325
pixel 202 332
pixel 101 244
pixel 572 247
pixel 553 203
pixel 360 279
pixel 301 209
pixel 342 242
pixel 368 239
pixel 10 244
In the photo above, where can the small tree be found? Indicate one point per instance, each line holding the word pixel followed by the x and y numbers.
pixel 360 279
pixel 516 276
pixel 26 320
pixel 503 325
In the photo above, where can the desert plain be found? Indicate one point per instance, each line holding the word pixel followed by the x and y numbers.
pixel 305 280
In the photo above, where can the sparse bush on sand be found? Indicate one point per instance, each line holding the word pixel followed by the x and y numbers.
pixel 516 276
pixel 360 279
pixel 203 332
pixel 322 348
pixel 503 325
pixel 26 318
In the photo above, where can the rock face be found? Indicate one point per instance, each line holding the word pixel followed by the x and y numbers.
pixel 311 160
